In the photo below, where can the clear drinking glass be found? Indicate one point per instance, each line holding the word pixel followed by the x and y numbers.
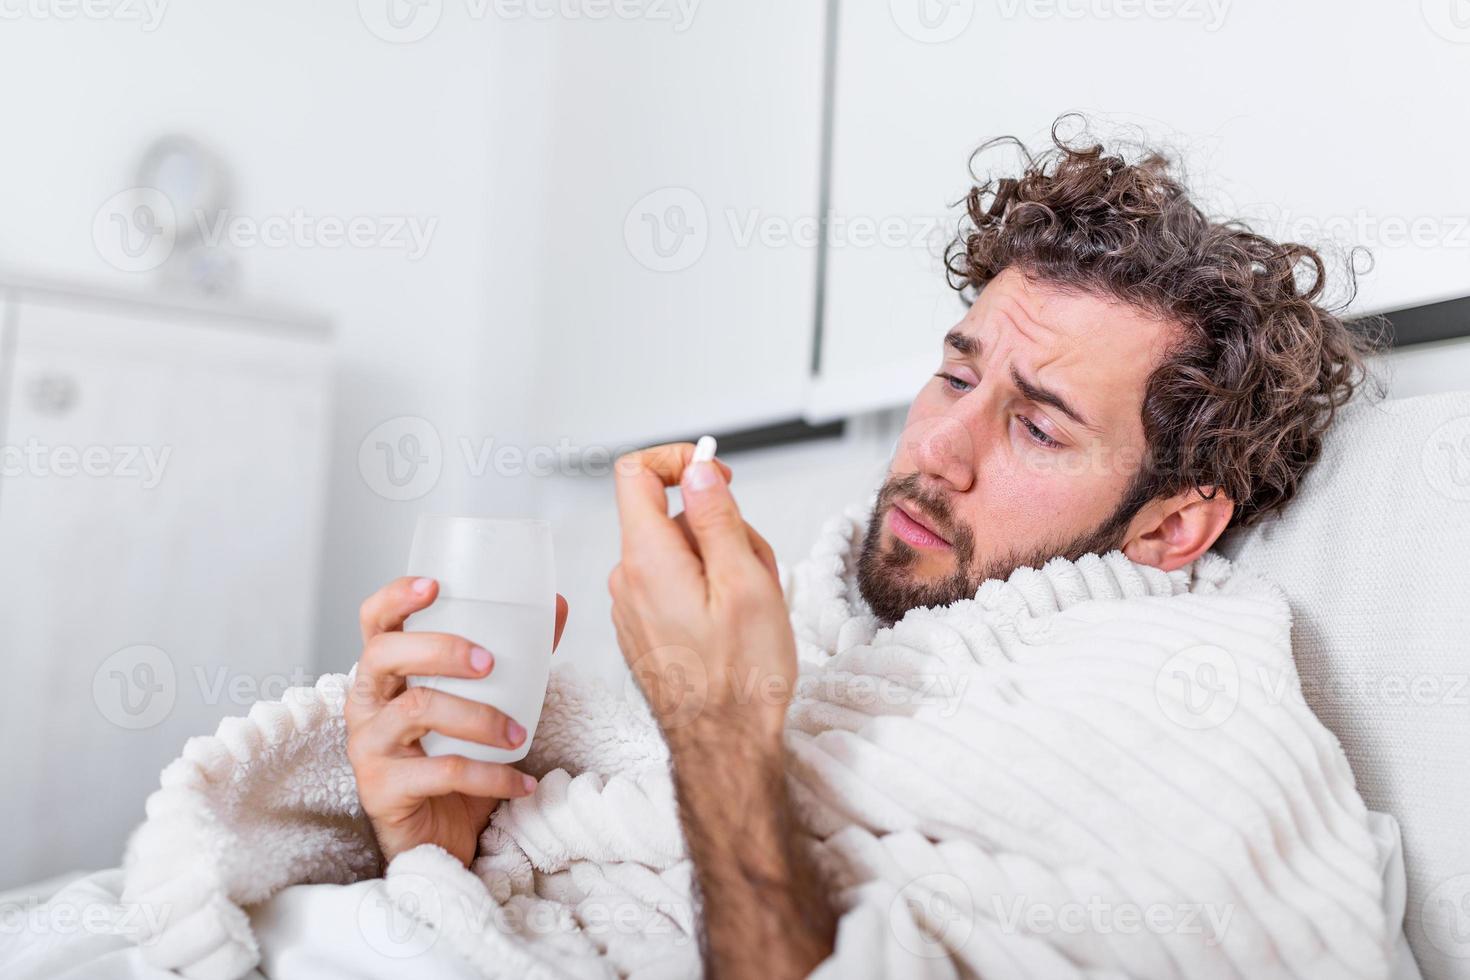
pixel 497 588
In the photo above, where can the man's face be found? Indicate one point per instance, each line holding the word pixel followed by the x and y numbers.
pixel 1020 449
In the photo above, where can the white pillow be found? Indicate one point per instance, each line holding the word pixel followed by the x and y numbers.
pixel 1373 555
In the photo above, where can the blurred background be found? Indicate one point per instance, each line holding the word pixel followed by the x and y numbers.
pixel 277 278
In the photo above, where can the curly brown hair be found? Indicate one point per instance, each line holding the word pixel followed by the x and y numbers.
pixel 1260 368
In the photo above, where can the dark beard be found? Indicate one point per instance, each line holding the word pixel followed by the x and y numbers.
pixel 883 577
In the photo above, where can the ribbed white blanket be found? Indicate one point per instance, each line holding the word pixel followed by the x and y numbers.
pixel 1095 769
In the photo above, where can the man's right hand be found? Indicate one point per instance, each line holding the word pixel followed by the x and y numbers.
pixel 412 798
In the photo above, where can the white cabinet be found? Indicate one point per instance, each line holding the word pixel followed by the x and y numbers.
pixel 1321 121
pixel 677 284
pixel 160 525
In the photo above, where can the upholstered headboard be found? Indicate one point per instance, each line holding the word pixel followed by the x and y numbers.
pixel 1375 557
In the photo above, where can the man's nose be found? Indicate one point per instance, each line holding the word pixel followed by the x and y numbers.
pixel 942 447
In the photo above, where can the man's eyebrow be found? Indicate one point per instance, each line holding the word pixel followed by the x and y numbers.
pixel 967 346
pixel 1044 396
pixel 963 344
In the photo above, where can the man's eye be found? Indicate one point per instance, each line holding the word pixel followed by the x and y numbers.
pixel 953 382
pixel 1037 434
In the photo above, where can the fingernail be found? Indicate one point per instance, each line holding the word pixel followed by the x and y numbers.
pixel 421 586
pixel 530 782
pixel 515 733
pixel 702 476
pixel 480 659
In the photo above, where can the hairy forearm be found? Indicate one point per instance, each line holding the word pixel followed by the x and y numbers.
pixel 764 912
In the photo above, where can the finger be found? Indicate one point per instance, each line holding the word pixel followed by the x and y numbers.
pixel 561 620
pixel 425 777
pixel 388 658
pixel 420 710
pixel 643 513
pixel 387 608
pixel 715 518
pixel 758 544
pixel 764 552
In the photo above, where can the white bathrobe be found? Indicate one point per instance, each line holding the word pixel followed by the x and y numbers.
pixel 1094 769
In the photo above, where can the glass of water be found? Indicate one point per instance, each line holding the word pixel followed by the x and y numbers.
pixel 497 589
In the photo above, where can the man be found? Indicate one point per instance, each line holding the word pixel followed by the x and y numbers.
pixel 1130 376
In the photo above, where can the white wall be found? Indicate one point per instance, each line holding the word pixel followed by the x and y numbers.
pixel 316 114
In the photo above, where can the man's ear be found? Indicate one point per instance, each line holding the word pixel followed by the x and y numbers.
pixel 1172 532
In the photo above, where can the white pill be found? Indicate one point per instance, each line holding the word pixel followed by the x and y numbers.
pixel 704 450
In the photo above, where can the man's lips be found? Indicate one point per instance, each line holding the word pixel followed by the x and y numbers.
pixel 912 530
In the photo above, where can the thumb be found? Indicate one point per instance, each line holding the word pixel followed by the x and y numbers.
pixel 713 516
pixel 561 620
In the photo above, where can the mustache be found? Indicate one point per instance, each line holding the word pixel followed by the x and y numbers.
pixel 937 511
